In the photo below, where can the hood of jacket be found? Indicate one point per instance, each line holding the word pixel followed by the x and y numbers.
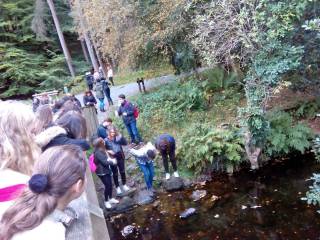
pixel 43 138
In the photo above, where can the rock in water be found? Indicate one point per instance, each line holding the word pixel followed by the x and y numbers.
pixel 125 204
pixel 187 213
pixel 127 230
pixel 144 197
pixel 198 194
pixel 173 184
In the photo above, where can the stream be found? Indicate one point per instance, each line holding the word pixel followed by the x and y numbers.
pixel 253 205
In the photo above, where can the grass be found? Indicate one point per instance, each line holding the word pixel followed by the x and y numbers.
pixel 124 76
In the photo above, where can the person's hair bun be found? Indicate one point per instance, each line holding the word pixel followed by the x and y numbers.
pixel 38 183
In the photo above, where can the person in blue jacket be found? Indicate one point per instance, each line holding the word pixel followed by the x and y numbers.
pixel 126 111
pixel 166 145
pixel 102 130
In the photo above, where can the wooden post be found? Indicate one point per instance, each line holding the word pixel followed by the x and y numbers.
pixel 61 37
pixel 91 117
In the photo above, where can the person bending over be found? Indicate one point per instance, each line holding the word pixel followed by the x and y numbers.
pixel 166 145
pixel 144 157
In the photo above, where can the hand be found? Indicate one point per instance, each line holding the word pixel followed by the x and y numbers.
pixel 112 160
pixel 124 114
pixel 111 152
pixel 116 113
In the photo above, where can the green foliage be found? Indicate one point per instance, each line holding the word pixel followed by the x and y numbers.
pixel 316 148
pixel 170 104
pixel 29 63
pixel 313 195
pixel 306 109
pixel 285 136
pixel 204 146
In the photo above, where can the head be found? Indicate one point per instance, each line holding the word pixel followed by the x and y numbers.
pixel 88 93
pixel 74 123
pixel 107 122
pixel 121 98
pixel 18 149
pixel 112 133
pixel 99 144
pixel 151 154
pixel 58 178
pixel 96 76
pixel 44 117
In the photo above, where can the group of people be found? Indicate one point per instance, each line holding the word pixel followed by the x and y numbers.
pixel 43 163
pixel 42 167
pixel 97 81
pixel 109 156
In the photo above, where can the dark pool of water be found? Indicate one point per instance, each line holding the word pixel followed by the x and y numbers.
pixel 277 188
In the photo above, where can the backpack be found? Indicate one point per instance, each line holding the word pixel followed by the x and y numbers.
pixel 92 165
pixel 135 112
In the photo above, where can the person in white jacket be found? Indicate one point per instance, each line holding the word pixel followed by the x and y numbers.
pixel 144 157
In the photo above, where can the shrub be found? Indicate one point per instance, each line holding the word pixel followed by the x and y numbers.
pixel 203 146
pixel 313 195
pixel 285 136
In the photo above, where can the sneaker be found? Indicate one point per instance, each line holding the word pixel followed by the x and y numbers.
pixel 114 201
pixel 176 174
pixel 167 176
pixel 125 188
pixel 119 190
pixel 108 205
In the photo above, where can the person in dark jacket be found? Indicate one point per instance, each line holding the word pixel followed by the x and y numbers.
pixel 103 171
pixel 126 111
pixel 100 94
pixel 69 129
pixel 89 80
pixel 89 99
pixel 166 145
pixel 102 130
pixel 114 143
pixel 106 90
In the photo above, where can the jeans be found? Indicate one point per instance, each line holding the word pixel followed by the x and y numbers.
pixel 121 167
pixel 107 93
pixel 107 182
pixel 171 153
pixel 148 173
pixel 133 132
pixel 101 104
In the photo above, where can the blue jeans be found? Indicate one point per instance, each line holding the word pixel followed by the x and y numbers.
pixel 133 132
pixel 148 173
pixel 101 104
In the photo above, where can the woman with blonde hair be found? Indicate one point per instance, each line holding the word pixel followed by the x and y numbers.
pixel 18 149
pixel 58 178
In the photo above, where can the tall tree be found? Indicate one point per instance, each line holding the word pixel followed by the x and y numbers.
pixel 61 38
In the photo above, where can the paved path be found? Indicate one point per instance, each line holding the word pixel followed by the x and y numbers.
pixel 132 89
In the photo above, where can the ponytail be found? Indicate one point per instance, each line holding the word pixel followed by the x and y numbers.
pixel 56 171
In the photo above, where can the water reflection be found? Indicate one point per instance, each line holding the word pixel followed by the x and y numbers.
pixel 262 205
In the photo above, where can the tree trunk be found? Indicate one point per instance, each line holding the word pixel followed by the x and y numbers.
pixel 104 70
pixel 253 152
pixel 90 50
pixel 61 37
pixel 84 50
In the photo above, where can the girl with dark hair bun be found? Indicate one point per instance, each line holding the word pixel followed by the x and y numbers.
pixel 58 178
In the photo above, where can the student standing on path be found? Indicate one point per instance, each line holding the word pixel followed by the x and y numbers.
pixel 89 99
pixel 99 92
pixel 126 111
pixel 110 74
pixel 144 157
pixel 107 92
pixel 103 171
pixel 89 80
pixel 166 145
pixel 114 143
